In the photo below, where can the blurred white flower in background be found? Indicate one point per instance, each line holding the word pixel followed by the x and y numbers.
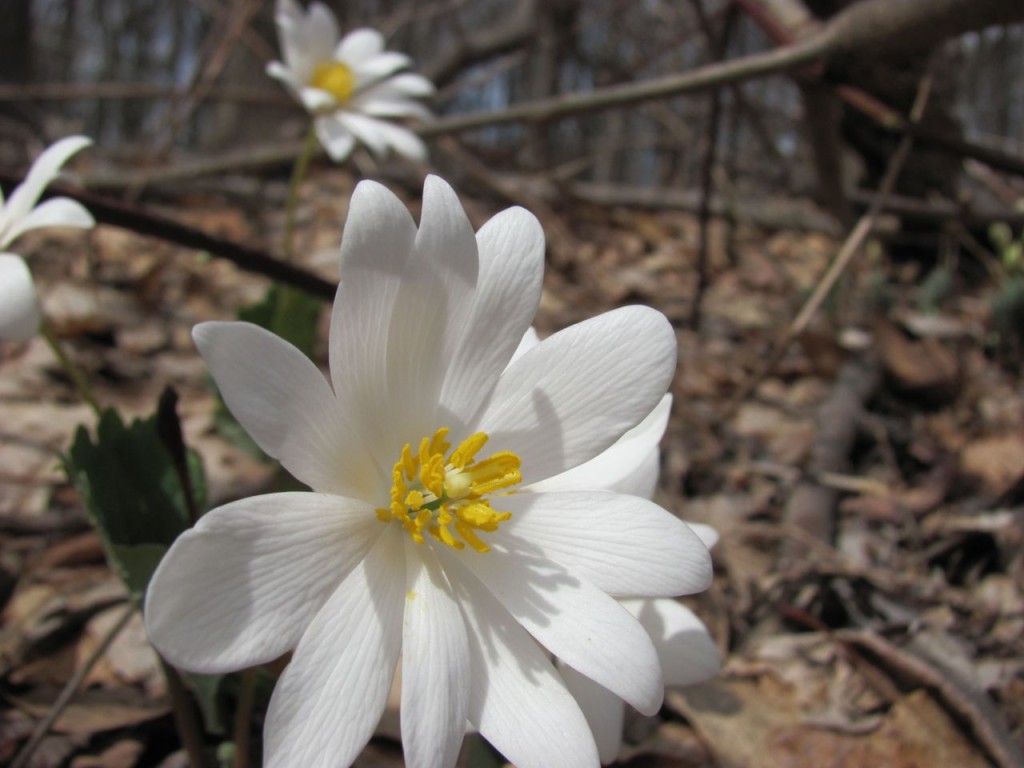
pixel 417 542
pixel 351 85
pixel 19 306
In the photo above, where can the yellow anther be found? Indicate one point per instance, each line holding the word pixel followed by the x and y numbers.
pixel 495 472
pixel 468 450
pixel 335 78
pixel 433 494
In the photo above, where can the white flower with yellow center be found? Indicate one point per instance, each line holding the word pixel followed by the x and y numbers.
pixel 19 307
pixel 352 86
pixel 424 537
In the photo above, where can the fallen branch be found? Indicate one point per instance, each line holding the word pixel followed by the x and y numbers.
pixel 961 696
pixel 812 505
pixel 146 222
pixel 851 246
pixel 862 27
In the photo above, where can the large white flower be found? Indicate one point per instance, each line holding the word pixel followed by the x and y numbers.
pixel 413 543
pixel 348 85
pixel 19 308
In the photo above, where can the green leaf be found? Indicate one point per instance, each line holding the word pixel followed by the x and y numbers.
pixel 141 487
pixel 135 564
pixel 289 313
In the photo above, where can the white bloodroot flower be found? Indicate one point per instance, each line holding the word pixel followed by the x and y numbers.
pixel 416 541
pixel 351 85
pixel 19 307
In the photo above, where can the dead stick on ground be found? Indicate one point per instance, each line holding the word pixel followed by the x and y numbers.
pixel 963 698
pixel 849 249
pixel 70 688
pixel 812 505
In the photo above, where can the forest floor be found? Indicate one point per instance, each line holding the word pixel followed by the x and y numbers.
pixel 869 492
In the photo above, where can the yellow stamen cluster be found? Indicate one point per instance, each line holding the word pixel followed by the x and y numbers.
pixel 335 78
pixel 445 497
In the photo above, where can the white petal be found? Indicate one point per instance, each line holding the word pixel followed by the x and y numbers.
pixel 579 624
pixel 316 100
pixel 291 33
pixel 285 404
pixel 19 310
pixel 431 310
pixel 366 130
pixel 336 138
pixel 400 321
pixel 307 39
pixel 529 341
pixel 623 545
pixel 389 108
pixel 517 700
pixel 685 648
pixel 577 392
pixel 602 708
pixel 435 665
pixel 706 533
pixel 331 696
pixel 43 171
pixel 626 467
pixel 642 481
pixel 381 136
pixel 511 250
pixel 381 65
pixel 358 46
pixel 401 89
pixel 321 32
pixel 405 143
pixel 241 587
pixel 280 72
pixel 404 85
pixel 56 212
pixel 377 242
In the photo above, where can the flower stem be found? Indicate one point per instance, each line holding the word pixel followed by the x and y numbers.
pixel 243 718
pixel 73 371
pixel 292 203
pixel 185 718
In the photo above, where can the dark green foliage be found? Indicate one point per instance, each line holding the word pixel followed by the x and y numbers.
pixel 141 488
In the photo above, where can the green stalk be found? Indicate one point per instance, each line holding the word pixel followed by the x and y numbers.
pixel 73 371
pixel 291 205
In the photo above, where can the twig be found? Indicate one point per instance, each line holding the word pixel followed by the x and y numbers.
pixel 130 90
pixel 962 698
pixel 717 45
pixel 70 688
pixel 849 249
pixel 144 222
pixel 863 26
pixel 235 24
pixel 811 506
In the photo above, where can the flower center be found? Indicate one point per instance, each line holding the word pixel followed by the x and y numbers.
pixel 335 78
pixel 446 497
